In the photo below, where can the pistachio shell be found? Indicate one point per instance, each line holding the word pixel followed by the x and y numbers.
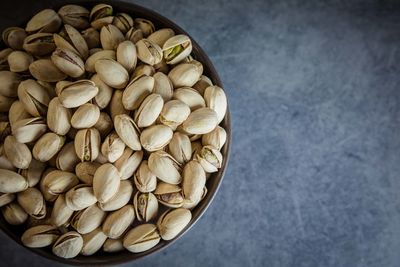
pixel 201 121
pixel 12 182
pixel 186 74
pixel 46 20
pixel 70 39
pixel 180 147
pixel 110 37
pixel 216 138
pixel 113 245
pixel 100 23
pixel 137 91
pixel 134 35
pixel 104 124
pixel 87 144
pixel 112 73
pixel 77 93
pixel 202 84
pixel 85 116
pixel 29 130
pixel 127 131
pixel 19 61
pixel 47 146
pixel 14 37
pixel 87 220
pixel 165 167
pixel 34 97
pixel 18 153
pixel 148 52
pixel 123 22
pixel 126 55
pixel 92 37
pixel 174 113
pixel 194 180
pixel 156 137
pixel 68 245
pixel 102 54
pixel 40 236
pixel 163 86
pixel 9 83
pixel 216 99
pixel 149 110
pixel 61 212
pixel 17 112
pixel 210 158
pixel 14 214
pixel 117 222
pixel 113 147
pixel 177 48
pixel 145 180
pixel 106 182
pixel 85 171
pixel 169 195
pixel 58 117
pixel 6 198
pixel 142 70
pixel 39 44
pixel 103 98
pixel 68 62
pixel 57 182
pixel 172 222
pixel 80 197
pixel 146 206
pixel 146 26
pixel 128 162
pixel 120 199
pixel 116 106
pixel 190 97
pixel 141 238
pixel 100 11
pixel 93 241
pixel 74 15
pixel 32 201
pixel 160 36
pixel 5 103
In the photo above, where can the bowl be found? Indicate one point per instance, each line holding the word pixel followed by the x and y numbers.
pixel 213 182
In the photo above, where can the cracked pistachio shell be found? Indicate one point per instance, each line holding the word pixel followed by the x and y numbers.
pixel 19 61
pixel 123 22
pixel 156 137
pixel 165 167
pixel 149 110
pixel 92 37
pixel 103 98
pixel 5 103
pixel 68 245
pixel 145 180
pixel 14 37
pixel 100 23
pixel 12 182
pixel 200 121
pixel 68 62
pixel 216 99
pixel 87 220
pixel 85 116
pixel 117 222
pixel 177 48
pixel 34 172
pixel 194 180
pixel 14 214
pixel 85 171
pixel 58 182
pixel 46 20
pixel 104 124
pixel 113 147
pixel 169 195
pixel 58 117
pixel 126 55
pixel 67 159
pixel 106 182
pixel 120 199
pixel 74 15
pixel 186 74
pixel 210 158
pixel 87 144
pixel 17 112
pixel 34 97
pixel 128 162
pixel 47 146
pixel 100 11
pixel 146 206
pixel 142 70
pixel 202 84
pixel 112 73
pixel 71 39
pixel 172 222
pixel 80 197
pixel 61 212
pixel 113 245
pixel 102 54
pixel 9 82
pixel 174 113
pixel 190 97
pixel 39 44
pixel 180 147
pixel 77 93
pixel 145 25
pixel 110 37
pixel 6 198
pixel 160 36
pixel 29 130
pixel 116 106
pixel 45 70
pixel 32 201
pixel 163 86
pixel 40 236
pixel 17 153
pixel 216 138
pixel 134 35
pixel 141 238
pixel 148 52
pixel 93 241
pixel 137 91
pixel 127 131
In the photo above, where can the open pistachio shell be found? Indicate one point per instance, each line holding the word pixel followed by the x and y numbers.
pixel 146 206
pixel 149 110
pixel 120 199
pixel 128 162
pixel 39 44
pixel 165 167
pixel 34 97
pixel 58 117
pixel 180 147
pixel 46 20
pixel 145 180
pixel 68 245
pixel 177 48
pixel 87 220
pixel 127 131
pixel 172 222
pixel 87 144
pixel 169 195
pixel 40 236
pixel 68 62
pixel 61 212
pixel 18 153
pixel 29 130
pixel 110 37
pixel 47 146
pixel 77 93
pixel 74 15
pixel 93 241
pixel 32 201
pixel 160 36
pixel 141 238
pixel 45 70
pixel 137 91
pixel 14 37
pixel 80 197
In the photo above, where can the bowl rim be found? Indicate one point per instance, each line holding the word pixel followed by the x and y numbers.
pixel 203 206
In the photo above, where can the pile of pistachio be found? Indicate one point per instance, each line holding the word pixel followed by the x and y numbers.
pixel 108 131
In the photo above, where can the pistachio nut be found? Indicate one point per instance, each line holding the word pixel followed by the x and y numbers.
pixel 19 61
pixel 174 113
pixel 85 116
pixel 61 212
pixel 137 91
pixel 142 70
pixel 180 147
pixel 216 99
pixel 112 73
pixel 146 26
pixel 202 84
pixel 87 144
pixel 127 131
pixel 145 180
pixel 34 97
pixel 186 74
pixel 14 214
pixel 200 121
pixel 47 146
pixel 17 112
pixel 116 106
pixel 70 39
pixel 126 55
pixel 57 182
pixel 74 15
pixel 160 36
pixel 169 195
pixel 110 37
pixel 12 182
pixel 123 22
pixel 113 245
pixel 149 110
pixel 141 238
pixel 177 48
pixel 6 198
pixel 156 137
pixel 85 171
pixel 18 153
pixel 93 241
pixel 172 222
pixel 100 11
pixel 104 124
pixel 29 130
pixel 210 158
pixel 128 162
pixel 112 147
pixel 102 54
pixel 103 97
pixel 194 180
pixel 45 70
pixel 68 62
pixel 216 138
pixel 106 182
pixel 32 201
pixel 58 117
pixel 77 93
pixel 9 82
pixel 149 52
pixel 34 172
pixel 190 97
pixel 68 245
pixel 85 221
pixel 92 37
pixel 46 20
pixel 163 86
pixel 146 206
pixel 134 35
pixel 165 167
pixel 14 37
pixel 120 199
pixel 117 222
pixel 39 44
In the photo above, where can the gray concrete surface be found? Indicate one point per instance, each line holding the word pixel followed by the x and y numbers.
pixel 314 173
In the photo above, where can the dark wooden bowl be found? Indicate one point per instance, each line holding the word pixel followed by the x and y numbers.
pixel 213 182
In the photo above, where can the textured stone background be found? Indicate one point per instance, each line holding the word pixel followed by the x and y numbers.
pixel 314 173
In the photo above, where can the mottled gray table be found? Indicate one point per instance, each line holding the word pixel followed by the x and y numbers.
pixel 314 173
